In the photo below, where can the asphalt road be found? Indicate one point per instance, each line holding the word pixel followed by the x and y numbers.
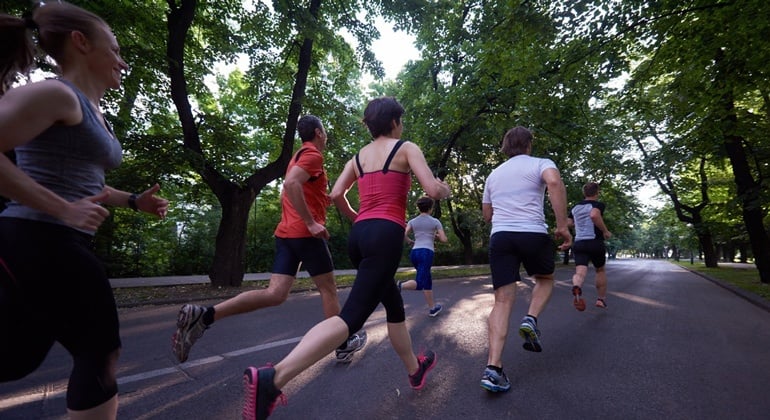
pixel 671 345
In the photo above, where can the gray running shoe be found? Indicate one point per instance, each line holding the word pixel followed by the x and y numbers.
pixel 495 382
pixel 355 343
pixel 436 309
pixel 531 335
pixel 190 328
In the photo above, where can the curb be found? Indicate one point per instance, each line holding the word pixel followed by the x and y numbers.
pixel 753 298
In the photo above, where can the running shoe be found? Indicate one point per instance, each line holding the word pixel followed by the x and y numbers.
pixel 259 393
pixel 495 382
pixel 531 335
pixel 189 328
pixel 579 303
pixel 436 309
pixel 355 343
pixel 600 303
pixel 426 362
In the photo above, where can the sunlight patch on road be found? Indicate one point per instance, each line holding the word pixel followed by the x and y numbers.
pixel 642 300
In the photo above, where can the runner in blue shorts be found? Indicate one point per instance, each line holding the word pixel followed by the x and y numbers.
pixel 426 230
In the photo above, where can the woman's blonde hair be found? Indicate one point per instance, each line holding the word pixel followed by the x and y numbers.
pixel 50 24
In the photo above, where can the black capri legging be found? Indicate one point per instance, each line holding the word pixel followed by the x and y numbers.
pixel 375 248
pixel 53 288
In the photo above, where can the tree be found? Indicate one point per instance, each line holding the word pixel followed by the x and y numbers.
pixel 704 61
pixel 479 75
pixel 310 40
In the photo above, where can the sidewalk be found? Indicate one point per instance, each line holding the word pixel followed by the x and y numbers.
pixel 204 279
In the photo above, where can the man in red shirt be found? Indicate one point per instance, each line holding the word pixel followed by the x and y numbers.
pixel 300 237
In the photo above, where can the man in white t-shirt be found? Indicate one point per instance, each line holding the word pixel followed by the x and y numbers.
pixel 513 203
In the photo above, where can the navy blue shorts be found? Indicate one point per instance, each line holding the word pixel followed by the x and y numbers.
pixel 592 250
pixel 422 259
pixel 509 250
pixel 313 253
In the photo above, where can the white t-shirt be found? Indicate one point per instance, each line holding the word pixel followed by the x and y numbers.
pixel 516 191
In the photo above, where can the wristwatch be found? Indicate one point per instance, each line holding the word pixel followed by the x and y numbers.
pixel 132 202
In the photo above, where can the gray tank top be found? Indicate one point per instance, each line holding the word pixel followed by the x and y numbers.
pixel 68 160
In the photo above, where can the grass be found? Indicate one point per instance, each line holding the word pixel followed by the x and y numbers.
pixel 742 278
pixel 159 295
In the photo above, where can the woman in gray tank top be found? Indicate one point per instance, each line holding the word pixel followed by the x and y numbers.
pixel 52 286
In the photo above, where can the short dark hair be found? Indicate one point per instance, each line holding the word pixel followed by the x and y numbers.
pixel 379 114
pixel 306 127
pixel 590 189
pixel 424 204
pixel 517 141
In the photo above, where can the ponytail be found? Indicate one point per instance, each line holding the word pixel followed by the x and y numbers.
pixel 50 24
pixel 17 51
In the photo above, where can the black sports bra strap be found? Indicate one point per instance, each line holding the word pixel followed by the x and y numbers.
pixel 391 156
pixel 360 168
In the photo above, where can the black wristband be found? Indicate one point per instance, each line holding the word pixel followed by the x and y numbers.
pixel 132 202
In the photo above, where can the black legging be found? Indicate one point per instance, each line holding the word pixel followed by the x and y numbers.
pixel 53 288
pixel 375 248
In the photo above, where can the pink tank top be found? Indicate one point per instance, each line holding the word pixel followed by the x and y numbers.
pixel 382 194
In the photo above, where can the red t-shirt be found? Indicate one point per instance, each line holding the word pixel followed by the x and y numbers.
pixel 309 158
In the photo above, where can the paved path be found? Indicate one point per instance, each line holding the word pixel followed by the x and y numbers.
pixel 671 345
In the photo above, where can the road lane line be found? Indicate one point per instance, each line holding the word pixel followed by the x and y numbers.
pixel 36 397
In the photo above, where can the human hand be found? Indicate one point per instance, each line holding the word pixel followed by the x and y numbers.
pixel 564 234
pixel 607 234
pixel 86 213
pixel 319 231
pixel 148 202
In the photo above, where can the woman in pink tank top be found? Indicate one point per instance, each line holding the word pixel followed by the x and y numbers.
pixel 383 170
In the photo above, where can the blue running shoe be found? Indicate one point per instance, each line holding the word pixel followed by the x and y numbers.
pixel 531 335
pixel 436 309
pixel 495 382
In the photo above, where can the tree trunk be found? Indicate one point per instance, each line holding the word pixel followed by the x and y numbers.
pixel 227 267
pixel 709 253
pixel 748 188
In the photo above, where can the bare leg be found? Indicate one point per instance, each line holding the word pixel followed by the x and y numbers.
pixel 541 294
pixel 321 340
pixel 276 293
pixel 327 287
pixel 429 298
pixel 409 285
pixel 498 323
pixel 107 410
pixel 402 344
pixel 580 275
pixel 601 283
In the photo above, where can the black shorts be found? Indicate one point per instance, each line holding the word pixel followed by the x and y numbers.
pixel 52 288
pixel 313 253
pixel 592 250
pixel 509 250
